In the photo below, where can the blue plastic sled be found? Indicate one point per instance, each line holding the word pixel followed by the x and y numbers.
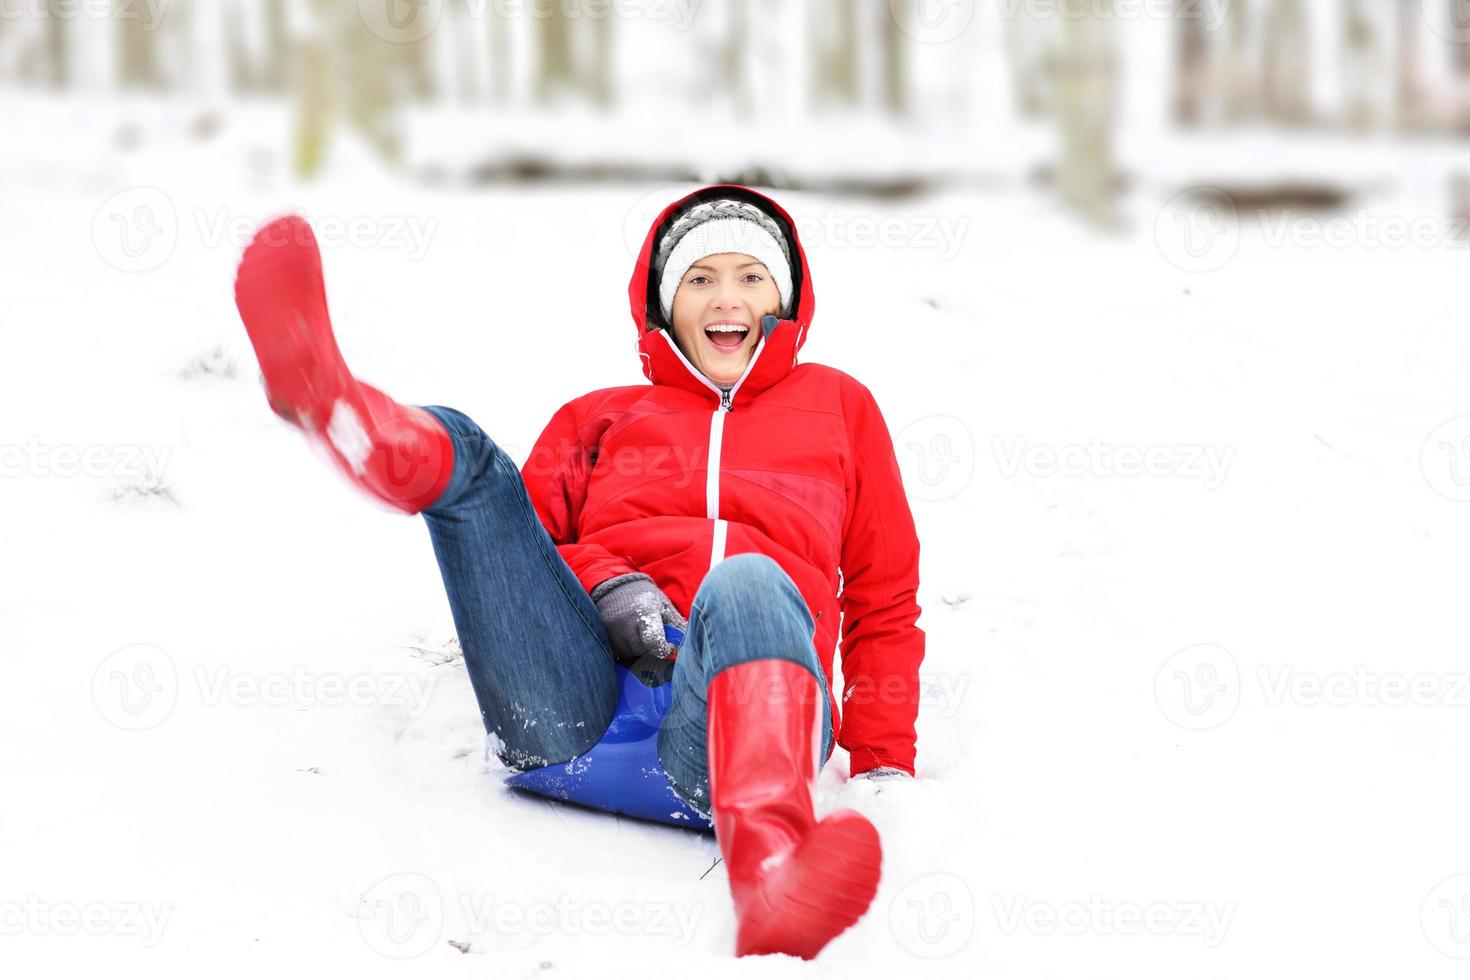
pixel 621 773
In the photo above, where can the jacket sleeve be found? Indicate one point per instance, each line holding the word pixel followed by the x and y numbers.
pixel 556 475
pixel 881 644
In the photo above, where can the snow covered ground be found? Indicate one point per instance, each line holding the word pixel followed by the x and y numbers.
pixel 1194 514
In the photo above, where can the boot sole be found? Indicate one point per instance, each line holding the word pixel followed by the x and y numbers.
pixel 824 886
pixel 282 301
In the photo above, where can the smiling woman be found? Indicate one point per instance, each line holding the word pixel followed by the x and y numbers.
pixel 718 585
pixel 721 268
pixel 716 311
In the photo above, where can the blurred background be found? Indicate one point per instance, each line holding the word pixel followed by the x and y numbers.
pixel 888 97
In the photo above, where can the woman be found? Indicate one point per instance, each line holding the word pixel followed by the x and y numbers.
pixel 759 496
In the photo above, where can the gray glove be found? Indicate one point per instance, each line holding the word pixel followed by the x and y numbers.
pixel 882 773
pixel 634 610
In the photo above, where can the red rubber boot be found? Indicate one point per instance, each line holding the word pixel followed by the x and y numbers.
pixel 797 882
pixel 399 454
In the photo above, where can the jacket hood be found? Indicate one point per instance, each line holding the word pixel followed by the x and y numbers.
pixel 775 353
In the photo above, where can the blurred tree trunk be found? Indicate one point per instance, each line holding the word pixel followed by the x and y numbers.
pixel 835 42
pixel 312 85
pixel 555 72
pixel 415 60
pixel 464 79
pixel 1086 102
pixel 895 60
pixel 1286 68
pixel 341 71
pixel 598 78
pixel 1460 11
pixel 237 59
pixel 1460 21
pixel 1192 77
pixel 1358 44
pixel 274 75
pixel 1239 81
pixel 137 61
pixel 1026 59
pixel 575 54
pixel 1412 96
pixel 58 53
pixel 732 52
pixel 368 86
pixel 44 61
pixel 498 29
pixel 315 105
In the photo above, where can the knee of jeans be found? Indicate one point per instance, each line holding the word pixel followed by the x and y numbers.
pixel 749 595
pixel 474 450
pixel 461 427
pixel 743 582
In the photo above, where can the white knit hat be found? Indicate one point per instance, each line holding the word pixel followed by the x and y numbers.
pixel 715 227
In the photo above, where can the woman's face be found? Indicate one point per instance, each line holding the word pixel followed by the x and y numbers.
pixel 717 312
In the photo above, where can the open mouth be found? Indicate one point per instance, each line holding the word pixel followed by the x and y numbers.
pixel 726 337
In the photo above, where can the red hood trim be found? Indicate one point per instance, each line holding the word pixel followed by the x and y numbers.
pixel 662 365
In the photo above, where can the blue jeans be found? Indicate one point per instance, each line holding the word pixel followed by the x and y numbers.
pixel 537 653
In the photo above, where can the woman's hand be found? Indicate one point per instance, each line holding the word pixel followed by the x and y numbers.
pixel 883 777
pixel 882 774
pixel 635 611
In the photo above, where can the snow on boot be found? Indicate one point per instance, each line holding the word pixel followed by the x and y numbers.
pixel 797 882
pixel 399 454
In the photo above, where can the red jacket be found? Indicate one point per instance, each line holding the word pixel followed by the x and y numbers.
pixel 668 478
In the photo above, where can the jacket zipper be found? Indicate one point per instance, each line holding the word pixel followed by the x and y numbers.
pixel 716 441
pixel 712 484
pixel 725 397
